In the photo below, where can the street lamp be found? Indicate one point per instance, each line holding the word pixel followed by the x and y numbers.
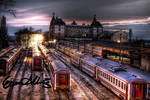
pixel 119 41
pixel 54 41
pixel 84 35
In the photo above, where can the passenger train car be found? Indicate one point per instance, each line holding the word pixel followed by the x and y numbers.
pixel 8 60
pixel 4 51
pixel 126 82
pixel 37 60
pixel 60 76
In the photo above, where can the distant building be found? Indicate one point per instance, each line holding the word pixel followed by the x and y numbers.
pixel 3 33
pixel 23 39
pixel 26 37
pixel 115 35
pixel 60 30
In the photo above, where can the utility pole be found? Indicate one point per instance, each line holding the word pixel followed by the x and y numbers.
pixel 84 36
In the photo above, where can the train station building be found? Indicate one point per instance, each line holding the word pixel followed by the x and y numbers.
pixel 95 31
pixel 60 30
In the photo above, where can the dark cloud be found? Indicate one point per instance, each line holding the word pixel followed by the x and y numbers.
pixel 39 12
pixel 84 9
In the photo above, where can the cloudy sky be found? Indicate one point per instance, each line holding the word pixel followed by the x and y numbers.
pixel 37 13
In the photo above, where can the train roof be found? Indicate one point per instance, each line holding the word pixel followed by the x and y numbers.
pixel 6 58
pixel 90 60
pixel 123 71
pixel 58 65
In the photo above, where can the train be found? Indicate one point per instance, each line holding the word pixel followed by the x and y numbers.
pixel 126 82
pixel 4 51
pixel 37 60
pixel 8 60
pixel 60 75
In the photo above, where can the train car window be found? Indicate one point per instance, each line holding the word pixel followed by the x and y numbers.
pixel 119 83
pixel 116 82
pixel 111 79
pixel 122 85
pixel 149 91
pixel 101 73
pixel 104 75
pixel 63 79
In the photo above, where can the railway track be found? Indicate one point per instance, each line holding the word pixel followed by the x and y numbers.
pixel 32 87
pixel 93 86
pixel 9 95
pixel 59 94
pixel 25 90
pixel 4 51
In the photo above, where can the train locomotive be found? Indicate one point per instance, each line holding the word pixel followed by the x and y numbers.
pixel 7 61
pixel 126 82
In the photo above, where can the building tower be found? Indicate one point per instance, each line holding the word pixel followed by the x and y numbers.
pixel 57 28
pixel 51 31
pixel 97 28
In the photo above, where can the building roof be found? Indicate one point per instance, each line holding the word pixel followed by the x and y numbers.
pixel 96 23
pixel 81 26
pixel 56 21
pixel 59 21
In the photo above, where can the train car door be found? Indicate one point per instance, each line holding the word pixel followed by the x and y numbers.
pixel 3 66
pixel 139 90
pixel 148 91
pixel 95 72
pixel 37 63
pixel 63 77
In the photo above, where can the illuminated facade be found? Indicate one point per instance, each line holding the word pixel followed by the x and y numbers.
pixel 28 39
pixel 59 30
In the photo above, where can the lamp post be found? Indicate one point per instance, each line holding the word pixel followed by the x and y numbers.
pixel 84 35
pixel 79 44
pixel 54 43
pixel 119 41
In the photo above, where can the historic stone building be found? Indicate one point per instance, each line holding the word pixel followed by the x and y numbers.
pixel 60 30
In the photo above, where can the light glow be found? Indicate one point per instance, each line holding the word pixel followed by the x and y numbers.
pixel 54 40
pixel 35 39
pixel 118 41
pixel 38 37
